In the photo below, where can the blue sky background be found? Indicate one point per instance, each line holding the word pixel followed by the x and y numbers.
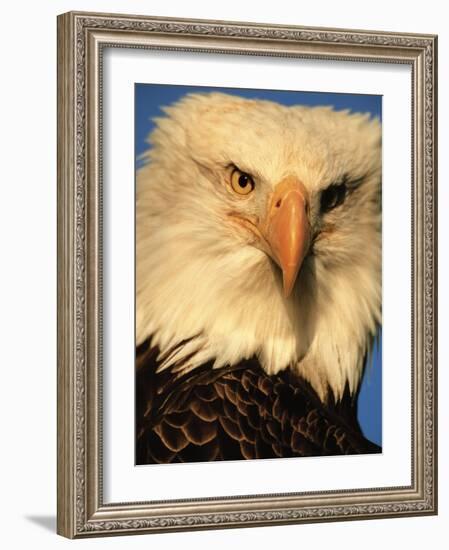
pixel 149 98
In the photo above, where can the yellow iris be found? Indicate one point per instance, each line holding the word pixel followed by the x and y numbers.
pixel 241 182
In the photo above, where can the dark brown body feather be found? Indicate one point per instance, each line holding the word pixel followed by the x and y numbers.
pixel 235 413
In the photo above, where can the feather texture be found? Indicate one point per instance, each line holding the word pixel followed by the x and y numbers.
pixel 237 412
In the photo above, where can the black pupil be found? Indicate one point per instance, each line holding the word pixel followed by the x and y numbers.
pixel 333 196
pixel 243 181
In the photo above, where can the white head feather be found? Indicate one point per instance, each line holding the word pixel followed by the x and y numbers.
pixel 199 275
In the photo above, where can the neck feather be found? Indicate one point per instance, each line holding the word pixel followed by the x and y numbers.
pixel 229 304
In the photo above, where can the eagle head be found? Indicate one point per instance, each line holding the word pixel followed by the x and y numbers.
pixel 259 235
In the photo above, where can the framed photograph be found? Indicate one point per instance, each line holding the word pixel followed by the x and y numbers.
pixel 246 274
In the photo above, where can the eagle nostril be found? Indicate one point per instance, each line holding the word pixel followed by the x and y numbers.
pixel 278 203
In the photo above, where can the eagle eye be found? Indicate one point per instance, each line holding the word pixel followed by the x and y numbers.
pixel 241 182
pixel 333 196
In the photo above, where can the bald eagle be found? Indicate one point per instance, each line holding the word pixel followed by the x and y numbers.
pixel 258 280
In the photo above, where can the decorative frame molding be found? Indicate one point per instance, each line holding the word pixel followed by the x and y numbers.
pixel 81 39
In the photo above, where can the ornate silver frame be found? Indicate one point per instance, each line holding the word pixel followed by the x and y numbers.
pixel 81 39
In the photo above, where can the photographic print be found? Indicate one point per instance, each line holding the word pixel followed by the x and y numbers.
pixel 258 274
pixel 247 274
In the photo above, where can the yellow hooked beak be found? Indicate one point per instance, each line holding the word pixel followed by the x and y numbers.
pixel 286 229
